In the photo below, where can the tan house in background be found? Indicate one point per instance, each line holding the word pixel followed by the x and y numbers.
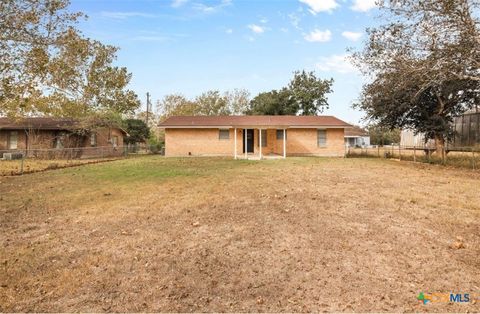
pixel 39 136
pixel 254 136
pixel 357 137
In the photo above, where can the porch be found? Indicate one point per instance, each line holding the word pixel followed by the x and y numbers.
pixel 260 143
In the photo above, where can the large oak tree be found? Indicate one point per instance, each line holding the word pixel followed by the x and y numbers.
pixel 423 65
pixel 306 95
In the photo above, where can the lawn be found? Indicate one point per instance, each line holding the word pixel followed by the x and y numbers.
pixel 204 234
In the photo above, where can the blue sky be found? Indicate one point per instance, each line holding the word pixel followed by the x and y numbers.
pixel 190 46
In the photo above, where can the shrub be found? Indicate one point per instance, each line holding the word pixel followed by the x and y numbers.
pixel 155 145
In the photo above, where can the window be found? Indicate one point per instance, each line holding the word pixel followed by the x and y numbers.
pixel 224 134
pixel 58 144
pixel 280 134
pixel 322 138
pixel 93 139
pixel 115 141
pixel 264 138
pixel 13 140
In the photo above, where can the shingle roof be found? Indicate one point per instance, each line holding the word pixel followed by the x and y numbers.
pixel 252 121
pixel 355 132
pixel 41 123
pixel 38 123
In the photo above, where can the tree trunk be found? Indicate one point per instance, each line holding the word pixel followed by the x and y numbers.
pixel 440 146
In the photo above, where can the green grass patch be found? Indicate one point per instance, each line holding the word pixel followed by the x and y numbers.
pixel 157 168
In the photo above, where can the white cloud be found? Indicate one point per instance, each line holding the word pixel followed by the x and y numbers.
pixel 178 3
pixel 363 5
pixel 317 6
pixel 211 8
pixel 125 15
pixel 229 31
pixel 319 36
pixel 353 36
pixel 336 63
pixel 256 28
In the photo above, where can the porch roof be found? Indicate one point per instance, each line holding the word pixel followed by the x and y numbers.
pixel 356 131
pixel 254 121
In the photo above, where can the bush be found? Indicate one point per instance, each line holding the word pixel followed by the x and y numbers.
pixel 155 145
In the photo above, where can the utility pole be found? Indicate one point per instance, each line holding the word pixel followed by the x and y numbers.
pixel 148 108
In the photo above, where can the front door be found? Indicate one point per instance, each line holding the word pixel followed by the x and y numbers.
pixel 249 141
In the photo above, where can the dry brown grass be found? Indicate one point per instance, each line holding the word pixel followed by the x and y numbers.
pixel 302 234
pixel 14 167
pixel 456 159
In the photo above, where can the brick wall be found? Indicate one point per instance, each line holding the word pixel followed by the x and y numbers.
pixel 45 139
pixel 304 142
pixel 206 142
pixel 104 144
pixel 200 142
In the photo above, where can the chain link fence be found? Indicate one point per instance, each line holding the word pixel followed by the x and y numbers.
pixel 464 157
pixel 18 162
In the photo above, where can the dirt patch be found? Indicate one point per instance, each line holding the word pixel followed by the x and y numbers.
pixel 182 235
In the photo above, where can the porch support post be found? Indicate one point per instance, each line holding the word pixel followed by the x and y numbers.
pixel 245 142
pixel 260 139
pixel 284 144
pixel 235 141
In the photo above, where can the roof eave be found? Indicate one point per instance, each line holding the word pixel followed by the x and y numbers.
pixel 254 126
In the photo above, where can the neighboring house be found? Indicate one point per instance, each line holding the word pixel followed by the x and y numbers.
pixel 39 136
pixel 357 137
pixel 466 134
pixel 254 136
pixel 409 139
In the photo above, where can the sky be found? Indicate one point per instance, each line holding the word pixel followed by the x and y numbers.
pixel 191 46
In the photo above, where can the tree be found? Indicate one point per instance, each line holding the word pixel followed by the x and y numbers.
pixel 305 95
pixel 209 103
pixel 273 103
pixel 176 105
pixel 212 103
pixel 383 136
pixel 238 101
pixel 309 92
pixel 49 68
pixel 424 64
pixel 137 130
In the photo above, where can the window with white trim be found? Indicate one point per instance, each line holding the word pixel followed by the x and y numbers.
pixel 224 134
pixel 59 139
pixel 322 138
pixel 93 139
pixel 114 141
pixel 13 140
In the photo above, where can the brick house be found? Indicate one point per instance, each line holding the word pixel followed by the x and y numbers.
pixel 254 136
pixel 357 137
pixel 42 136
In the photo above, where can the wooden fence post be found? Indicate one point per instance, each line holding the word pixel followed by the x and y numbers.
pixel 473 158
pixel 21 165
pixel 444 155
pixel 414 154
